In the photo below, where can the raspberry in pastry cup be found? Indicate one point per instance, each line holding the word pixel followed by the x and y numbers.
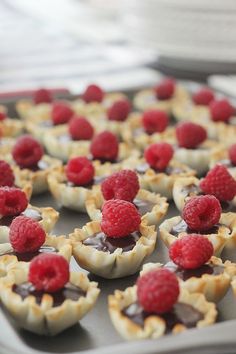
pixel 59 245
pixel 174 228
pixel 42 313
pixel 112 261
pixel 146 99
pixel 158 182
pixel 151 206
pixel 47 218
pixel 212 279
pixel 122 306
pixel 27 110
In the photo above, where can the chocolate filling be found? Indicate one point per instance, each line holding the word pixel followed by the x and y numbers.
pixel 69 291
pixel 180 314
pixel 28 256
pixel 96 180
pixel 185 274
pixel 170 170
pixel 183 227
pixel 191 190
pixel 29 212
pixel 101 242
pixel 143 206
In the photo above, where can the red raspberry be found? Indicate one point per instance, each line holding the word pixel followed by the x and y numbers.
pixel 121 185
pixel 79 171
pixel 159 155
pixel 165 89
pixel 221 110
pixel 26 234
pixel 119 218
pixel 232 154
pixel 7 177
pixel 27 151
pixel 61 113
pixel 93 93
pixel 158 290
pixel 191 251
pixel 203 97
pixel 2 116
pixel 119 110
pixel 190 135
pixel 220 183
pixel 105 146
pixel 80 129
pixel 49 272
pixel 155 121
pixel 42 96
pixel 202 212
pixel 13 201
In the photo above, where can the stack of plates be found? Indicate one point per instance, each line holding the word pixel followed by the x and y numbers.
pixel 188 32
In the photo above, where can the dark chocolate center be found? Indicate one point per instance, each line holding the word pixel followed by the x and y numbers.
pixel 96 180
pixel 28 256
pixel 29 212
pixel 69 291
pixel 185 274
pixel 180 314
pixel 143 206
pixel 101 242
pixel 183 227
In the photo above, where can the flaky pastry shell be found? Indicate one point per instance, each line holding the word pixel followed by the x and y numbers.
pixel 111 265
pixel 11 127
pixel 154 326
pixel 218 240
pixel 180 193
pixel 49 218
pixel 43 318
pixel 95 201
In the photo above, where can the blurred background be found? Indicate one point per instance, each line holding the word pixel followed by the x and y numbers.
pixel 119 44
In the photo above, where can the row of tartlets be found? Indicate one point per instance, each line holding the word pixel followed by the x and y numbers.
pixel 121 168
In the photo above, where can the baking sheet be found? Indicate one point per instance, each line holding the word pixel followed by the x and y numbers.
pixel 95 331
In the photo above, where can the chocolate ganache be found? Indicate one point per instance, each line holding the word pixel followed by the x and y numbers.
pixel 144 206
pixel 180 314
pixel 69 291
pixel 29 212
pixel 183 227
pixel 101 242
pixel 28 256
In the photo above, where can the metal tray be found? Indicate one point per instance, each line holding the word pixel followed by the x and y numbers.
pixel 95 333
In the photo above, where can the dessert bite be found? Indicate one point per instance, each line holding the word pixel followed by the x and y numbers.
pixel 198 271
pixel 14 202
pixel 193 147
pixel 218 182
pixel 202 215
pixel 47 297
pixel 29 163
pixel 225 156
pixel 124 185
pixel 9 127
pixel 158 170
pixel 162 96
pixel 27 239
pixel 116 246
pixel 157 305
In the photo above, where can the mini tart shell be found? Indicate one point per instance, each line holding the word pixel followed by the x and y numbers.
pixel 111 265
pixel 27 110
pixel 38 179
pixel 142 140
pixel 95 201
pixel 158 182
pixel 180 198
pixel 146 99
pixel 60 243
pixel 11 127
pixel 6 263
pixel 71 197
pixel 154 326
pixel 96 109
pixel 45 319
pixel 197 159
pixel 219 240
pixel 214 287
pixel 6 145
pixel 49 219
